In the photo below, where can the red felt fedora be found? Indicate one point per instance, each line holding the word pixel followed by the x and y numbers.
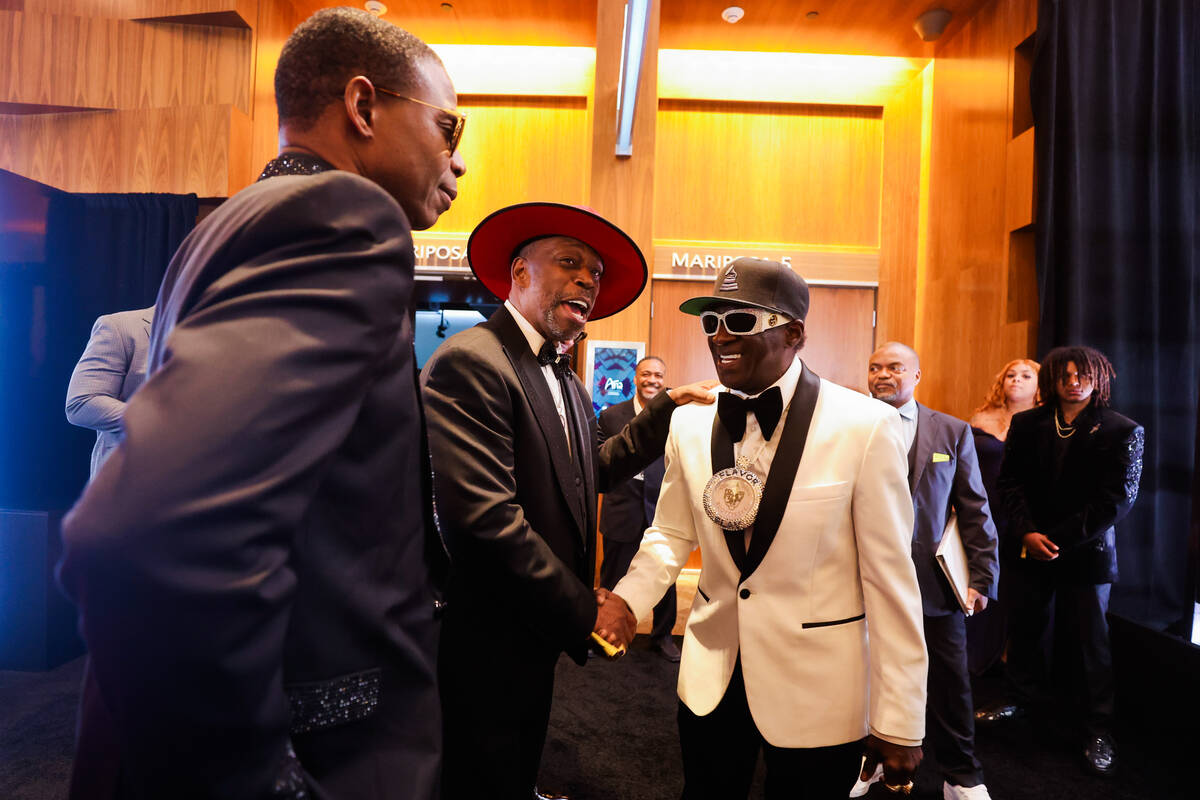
pixel 494 242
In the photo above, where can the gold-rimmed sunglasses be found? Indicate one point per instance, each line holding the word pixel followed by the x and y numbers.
pixel 460 119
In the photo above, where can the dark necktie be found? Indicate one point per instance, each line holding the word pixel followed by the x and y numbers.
pixel 561 363
pixel 767 407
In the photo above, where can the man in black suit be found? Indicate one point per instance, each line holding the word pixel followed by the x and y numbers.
pixel 628 507
pixel 1071 472
pixel 516 472
pixel 943 476
pixel 255 565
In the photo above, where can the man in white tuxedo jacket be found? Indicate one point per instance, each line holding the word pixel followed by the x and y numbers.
pixel 805 635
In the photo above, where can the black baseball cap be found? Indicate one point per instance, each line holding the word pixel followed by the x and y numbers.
pixel 757 282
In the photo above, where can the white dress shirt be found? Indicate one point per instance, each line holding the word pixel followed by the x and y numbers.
pixel 536 340
pixel 908 422
pixel 760 451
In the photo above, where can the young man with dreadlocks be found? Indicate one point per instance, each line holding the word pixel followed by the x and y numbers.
pixel 1071 472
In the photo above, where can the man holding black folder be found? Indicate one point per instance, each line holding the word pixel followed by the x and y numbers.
pixel 943 476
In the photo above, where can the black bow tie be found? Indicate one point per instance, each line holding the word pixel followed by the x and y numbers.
pixel 767 407
pixel 549 355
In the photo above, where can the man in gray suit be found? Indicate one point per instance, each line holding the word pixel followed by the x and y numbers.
pixel 112 367
pixel 943 476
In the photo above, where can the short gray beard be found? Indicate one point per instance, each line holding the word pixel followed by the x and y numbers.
pixel 557 332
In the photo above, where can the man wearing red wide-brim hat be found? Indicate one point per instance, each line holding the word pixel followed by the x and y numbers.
pixel 516 473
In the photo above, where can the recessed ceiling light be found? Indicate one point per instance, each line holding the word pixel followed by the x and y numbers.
pixel 813 14
pixel 732 14
pixel 447 7
pixel 375 7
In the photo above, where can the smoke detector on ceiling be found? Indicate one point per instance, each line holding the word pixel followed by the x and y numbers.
pixel 732 14
pixel 375 7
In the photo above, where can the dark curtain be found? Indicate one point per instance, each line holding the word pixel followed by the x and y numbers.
pixel 103 253
pixel 1116 97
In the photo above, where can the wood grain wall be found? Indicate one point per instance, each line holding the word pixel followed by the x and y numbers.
pixel 141 96
pixel 966 328
pixel 174 150
pixel 768 172
pixel 623 188
pixel 519 149
pixel 906 122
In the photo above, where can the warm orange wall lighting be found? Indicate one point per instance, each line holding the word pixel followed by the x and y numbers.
pixel 783 77
pixel 481 69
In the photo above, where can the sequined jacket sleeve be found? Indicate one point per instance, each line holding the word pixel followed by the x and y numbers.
pixel 1071 512
pixel 1119 461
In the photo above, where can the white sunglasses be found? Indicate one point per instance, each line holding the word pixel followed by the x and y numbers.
pixel 742 321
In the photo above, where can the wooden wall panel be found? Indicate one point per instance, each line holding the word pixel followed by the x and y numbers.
pixel 93 62
pixel 757 172
pixel 900 256
pixel 623 188
pixel 239 13
pixel 841 336
pixel 176 150
pixel 276 20
pixel 859 27
pixel 519 149
pixel 1018 190
pixel 676 337
pixel 962 333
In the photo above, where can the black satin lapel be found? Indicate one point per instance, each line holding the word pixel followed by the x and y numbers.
pixel 722 458
pixel 924 444
pixel 537 392
pixel 587 429
pixel 783 469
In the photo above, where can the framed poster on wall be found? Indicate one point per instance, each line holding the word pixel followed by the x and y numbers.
pixel 609 373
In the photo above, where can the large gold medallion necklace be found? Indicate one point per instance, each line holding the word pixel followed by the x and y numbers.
pixel 731 497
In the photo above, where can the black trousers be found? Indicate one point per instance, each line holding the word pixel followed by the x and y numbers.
pixel 949 710
pixel 495 711
pixel 1079 615
pixel 617 558
pixel 720 752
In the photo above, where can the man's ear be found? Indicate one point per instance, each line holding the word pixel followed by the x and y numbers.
pixel 359 100
pixel 520 272
pixel 795 333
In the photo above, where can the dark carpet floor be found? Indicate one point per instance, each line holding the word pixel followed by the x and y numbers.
pixel 613 737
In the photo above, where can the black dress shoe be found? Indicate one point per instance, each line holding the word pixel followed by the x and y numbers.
pixel 538 795
pixel 998 712
pixel 1100 755
pixel 667 648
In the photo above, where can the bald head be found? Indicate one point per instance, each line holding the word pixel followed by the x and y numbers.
pixel 893 373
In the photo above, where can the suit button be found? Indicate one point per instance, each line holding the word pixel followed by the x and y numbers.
pixel 744 593
pixel 578 480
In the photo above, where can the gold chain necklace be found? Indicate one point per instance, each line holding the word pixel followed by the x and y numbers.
pixel 1070 429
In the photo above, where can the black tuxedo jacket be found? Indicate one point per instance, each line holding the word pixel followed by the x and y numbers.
pixel 1077 500
pixel 943 476
pixel 251 563
pixel 518 514
pixel 628 507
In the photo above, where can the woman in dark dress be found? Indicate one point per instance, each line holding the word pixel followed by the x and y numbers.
pixel 1015 389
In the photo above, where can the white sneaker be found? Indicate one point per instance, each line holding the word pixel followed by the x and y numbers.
pixel 979 792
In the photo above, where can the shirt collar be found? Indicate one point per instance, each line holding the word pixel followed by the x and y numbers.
pixel 637 403
pixel 535 339
pixel 786 383
pixel 909 410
